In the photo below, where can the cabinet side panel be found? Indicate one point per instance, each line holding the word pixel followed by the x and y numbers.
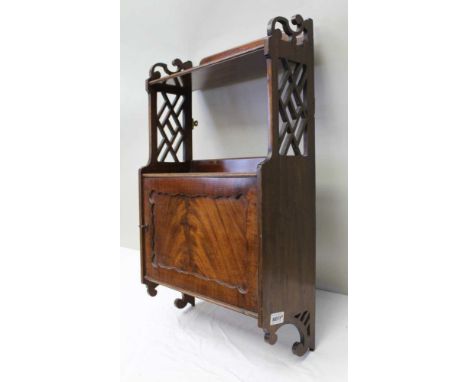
pixel 287 271
pixel 287 185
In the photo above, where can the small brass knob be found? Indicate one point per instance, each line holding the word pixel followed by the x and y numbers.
pixel 194 123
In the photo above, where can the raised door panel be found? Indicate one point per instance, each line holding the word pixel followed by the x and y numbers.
pixel 202 237
pixel 170 249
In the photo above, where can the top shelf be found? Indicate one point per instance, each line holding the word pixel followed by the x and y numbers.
pixel 238 64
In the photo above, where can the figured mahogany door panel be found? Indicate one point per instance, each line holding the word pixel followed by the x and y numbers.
pixel 202 236
pixel 169 245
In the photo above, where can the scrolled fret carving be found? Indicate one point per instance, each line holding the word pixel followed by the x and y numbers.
pixel 292 108
pixel 302 27
pixel 180 66
pixel 170 126
pixel 169 123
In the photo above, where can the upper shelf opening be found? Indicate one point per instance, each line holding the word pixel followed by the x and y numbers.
pixel 238 64
pixel 242 63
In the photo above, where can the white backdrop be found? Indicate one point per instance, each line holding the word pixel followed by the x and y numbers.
pixel 232 121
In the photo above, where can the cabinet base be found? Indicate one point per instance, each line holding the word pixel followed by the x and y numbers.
pixel 302 321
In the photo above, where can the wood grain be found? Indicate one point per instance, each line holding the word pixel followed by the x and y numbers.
pixel 287 270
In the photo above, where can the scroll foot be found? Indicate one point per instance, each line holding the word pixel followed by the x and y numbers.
pixel 299 349
pixel 270 337
pixel 302 321
pixel 182 302
pixel 151 288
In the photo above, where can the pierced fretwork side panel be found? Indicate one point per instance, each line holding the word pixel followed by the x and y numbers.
pixel 170 112
pixel 304 318
pixel 292 83
pixel 170 127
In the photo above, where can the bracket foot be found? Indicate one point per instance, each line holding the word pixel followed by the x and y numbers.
pixel 151 288
pixel 302 322
pixel 182 302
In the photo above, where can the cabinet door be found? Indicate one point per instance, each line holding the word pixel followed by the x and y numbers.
pixel 202 236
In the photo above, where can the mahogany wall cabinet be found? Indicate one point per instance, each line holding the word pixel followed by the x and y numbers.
pixel 236 232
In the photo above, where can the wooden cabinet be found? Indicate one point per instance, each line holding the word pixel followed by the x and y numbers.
pixel 236 232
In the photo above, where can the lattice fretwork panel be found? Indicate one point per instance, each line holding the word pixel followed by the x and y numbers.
pixel 292 83
pixel 170 122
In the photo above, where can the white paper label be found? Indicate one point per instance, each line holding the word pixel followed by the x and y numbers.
pixel 277 318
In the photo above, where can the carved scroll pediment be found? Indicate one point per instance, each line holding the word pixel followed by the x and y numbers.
pixel 180 66
pixel 280 26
